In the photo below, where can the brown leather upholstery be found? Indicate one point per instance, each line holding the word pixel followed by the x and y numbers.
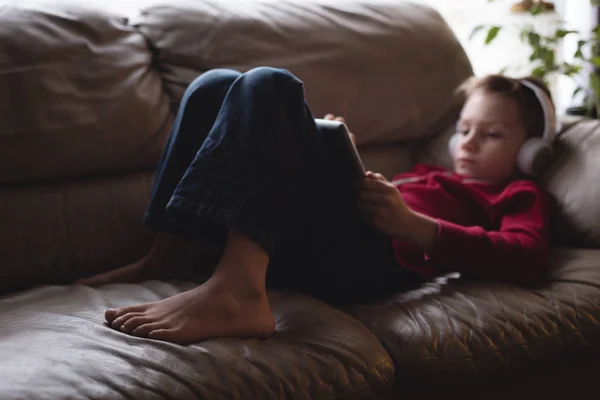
pixel 78 94
pixel 352 56
pixel 56 232
pixel 573 181
pixel 54 345
pixel 451 331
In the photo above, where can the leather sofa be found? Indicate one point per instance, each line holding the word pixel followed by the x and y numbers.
pixel 87 98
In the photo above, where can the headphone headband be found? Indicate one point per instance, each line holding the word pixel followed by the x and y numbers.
pixel 550 124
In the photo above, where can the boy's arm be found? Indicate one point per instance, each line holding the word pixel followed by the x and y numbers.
pixel 516 252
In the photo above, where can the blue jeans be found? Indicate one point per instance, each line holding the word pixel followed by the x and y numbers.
pixel 244 153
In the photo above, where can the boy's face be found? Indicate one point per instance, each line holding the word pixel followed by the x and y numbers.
pixel 491 134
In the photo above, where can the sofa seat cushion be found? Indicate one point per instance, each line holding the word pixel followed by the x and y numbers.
pixel 54 344
pixel 453 331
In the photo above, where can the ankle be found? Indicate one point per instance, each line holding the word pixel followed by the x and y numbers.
pixel 243 265
pixel 238 287
pixel 241 250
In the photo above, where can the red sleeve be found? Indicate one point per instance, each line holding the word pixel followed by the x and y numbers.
pixel 420 169
pixel 515 253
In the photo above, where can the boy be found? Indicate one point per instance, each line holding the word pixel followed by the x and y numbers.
pixel 246 171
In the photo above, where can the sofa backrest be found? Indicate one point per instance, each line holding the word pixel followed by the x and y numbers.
pixel 88 92
pixel 391 68
pixel 79 95
pixel 574 181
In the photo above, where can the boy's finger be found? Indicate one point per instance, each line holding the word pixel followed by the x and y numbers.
pixel 329 116
pixel 374 185
pixel 341 119
pixel 378 176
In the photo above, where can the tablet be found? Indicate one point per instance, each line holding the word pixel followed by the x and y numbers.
pixel 340 136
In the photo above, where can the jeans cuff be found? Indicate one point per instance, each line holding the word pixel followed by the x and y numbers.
pixel 201 216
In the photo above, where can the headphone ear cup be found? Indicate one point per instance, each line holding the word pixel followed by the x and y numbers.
pixel 453 142
pixel 534 156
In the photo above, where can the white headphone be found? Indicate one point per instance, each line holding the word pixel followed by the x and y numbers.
pixel 536 153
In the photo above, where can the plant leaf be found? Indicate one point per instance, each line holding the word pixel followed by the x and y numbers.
pixel 596 61
pixel 578 52
pixel 535 54
pixel 546 56
pixel 533 39
pixel 561 33
pixel 539 72
pixel 492 33
pixel 595 85
pixel 570 69
pixel 536 9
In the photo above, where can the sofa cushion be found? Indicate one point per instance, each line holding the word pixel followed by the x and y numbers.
pixel 573 182
pixel 388 160
pixel 55 232
pixel 78 94
pixel 55 345
pixel 452 331
pixel 389 67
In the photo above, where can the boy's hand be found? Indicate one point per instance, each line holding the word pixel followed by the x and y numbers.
pixel 332 117
pixel 382 205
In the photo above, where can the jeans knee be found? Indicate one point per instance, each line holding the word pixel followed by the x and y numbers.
pixel 272 78
pixel 212 82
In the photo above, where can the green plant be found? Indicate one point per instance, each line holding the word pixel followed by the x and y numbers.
pixel 544 60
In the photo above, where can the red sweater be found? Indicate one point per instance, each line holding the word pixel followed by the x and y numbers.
pixel 488 231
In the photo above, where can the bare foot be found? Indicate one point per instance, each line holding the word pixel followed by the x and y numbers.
pixel 144 269
pixel 205 312
pixel 179 266
pixel 170 257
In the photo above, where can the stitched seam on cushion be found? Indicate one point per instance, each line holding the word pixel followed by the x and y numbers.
pixel 445 360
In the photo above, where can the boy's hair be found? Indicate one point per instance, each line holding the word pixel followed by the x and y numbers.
pixel 530 108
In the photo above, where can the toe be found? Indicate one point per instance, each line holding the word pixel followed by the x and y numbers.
pixel 111 314
pixel 168 335
pixel 144 329
pixel 117 323
pixel 134 322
